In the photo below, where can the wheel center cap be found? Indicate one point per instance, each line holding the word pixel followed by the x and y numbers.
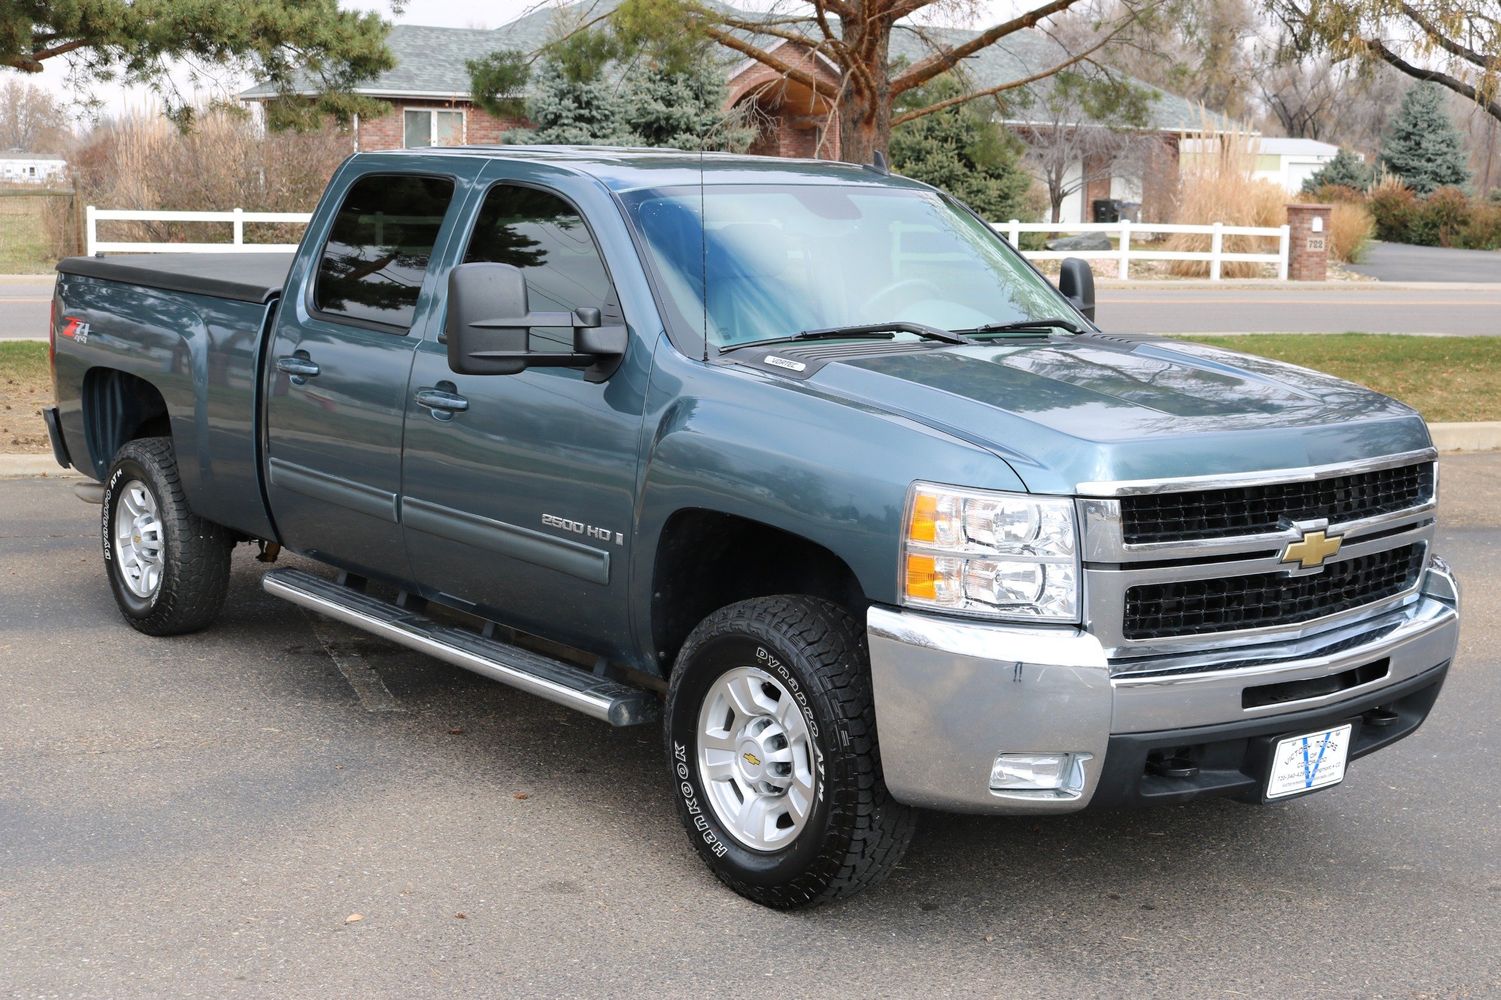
pixel 752 760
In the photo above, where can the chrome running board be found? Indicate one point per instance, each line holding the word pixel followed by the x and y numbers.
pixel 557 681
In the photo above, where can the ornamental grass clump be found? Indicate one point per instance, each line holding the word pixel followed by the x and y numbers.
pixel 1218 185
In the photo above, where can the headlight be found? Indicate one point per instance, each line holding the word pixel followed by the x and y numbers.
pixel 997 555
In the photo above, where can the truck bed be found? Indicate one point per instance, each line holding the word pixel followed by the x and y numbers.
pixel 245 277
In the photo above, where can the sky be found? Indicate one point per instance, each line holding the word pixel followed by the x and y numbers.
pixel 444 13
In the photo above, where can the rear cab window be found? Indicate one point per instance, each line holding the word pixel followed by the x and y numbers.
pixel 371 267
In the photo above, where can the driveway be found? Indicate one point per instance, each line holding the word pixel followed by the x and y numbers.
pixel 204 817
pixel 1401 262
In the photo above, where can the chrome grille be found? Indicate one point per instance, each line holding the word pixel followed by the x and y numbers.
pixel 1220 584
pixel 1261 508
pixel 1259 600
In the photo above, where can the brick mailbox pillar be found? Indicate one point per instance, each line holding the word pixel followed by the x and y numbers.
pixel 1308 242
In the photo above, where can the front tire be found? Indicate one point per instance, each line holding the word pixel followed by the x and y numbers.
pixel 168 567
pixel 771 741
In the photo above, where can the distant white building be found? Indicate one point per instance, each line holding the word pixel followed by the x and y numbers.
pixel 1290 162
pixel 17 167
pixel 1285 162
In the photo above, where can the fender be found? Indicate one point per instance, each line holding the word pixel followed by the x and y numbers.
pixel 782 453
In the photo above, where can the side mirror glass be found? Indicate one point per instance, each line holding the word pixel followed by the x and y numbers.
pixel 1076 282
pixel 489 323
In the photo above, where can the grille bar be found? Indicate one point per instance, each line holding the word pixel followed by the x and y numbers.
pixel 1261 509
pixel 1260 600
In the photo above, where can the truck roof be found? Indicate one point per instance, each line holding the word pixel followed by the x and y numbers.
pixel 625 168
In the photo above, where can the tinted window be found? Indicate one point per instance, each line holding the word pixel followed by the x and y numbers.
pixel 544 236
pixel 378 250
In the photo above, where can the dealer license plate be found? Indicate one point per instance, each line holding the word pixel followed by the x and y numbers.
pixel 1303 763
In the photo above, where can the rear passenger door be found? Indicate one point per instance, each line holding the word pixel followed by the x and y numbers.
pixel 338 366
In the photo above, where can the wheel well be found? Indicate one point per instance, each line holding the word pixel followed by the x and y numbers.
pixel 118 408
pixel 706 560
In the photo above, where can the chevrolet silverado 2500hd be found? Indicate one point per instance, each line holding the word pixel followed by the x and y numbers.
pixel 799 457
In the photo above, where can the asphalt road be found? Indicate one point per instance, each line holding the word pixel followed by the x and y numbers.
pixel 24 305
pixel 1401 262
pixel 1333 307
pixel 203 816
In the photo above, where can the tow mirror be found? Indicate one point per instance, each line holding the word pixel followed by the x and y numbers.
pixel 489 324
pixel 1076 282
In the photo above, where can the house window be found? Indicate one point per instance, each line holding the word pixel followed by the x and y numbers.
pixel 431 127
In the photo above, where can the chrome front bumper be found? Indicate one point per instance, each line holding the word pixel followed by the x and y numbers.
pixel 952 695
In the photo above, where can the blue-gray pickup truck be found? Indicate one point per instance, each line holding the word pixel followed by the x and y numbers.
pixel 801 459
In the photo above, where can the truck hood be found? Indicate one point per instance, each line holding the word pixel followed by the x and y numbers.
pixel 1068 411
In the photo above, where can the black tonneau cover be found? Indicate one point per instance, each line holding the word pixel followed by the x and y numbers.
pixel 246 277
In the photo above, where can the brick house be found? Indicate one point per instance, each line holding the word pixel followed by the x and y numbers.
pixel 428 93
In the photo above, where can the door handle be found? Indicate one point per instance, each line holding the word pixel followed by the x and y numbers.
pixel 299 366
pixel 443 402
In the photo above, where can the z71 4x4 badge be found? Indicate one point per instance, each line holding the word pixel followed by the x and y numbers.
pixel 75 329
pixel 580 528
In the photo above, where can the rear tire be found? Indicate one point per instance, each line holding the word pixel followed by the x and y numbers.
pixel 771 742
pixel 168 567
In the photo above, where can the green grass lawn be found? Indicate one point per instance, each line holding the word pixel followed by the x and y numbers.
pixel 1443 378
pixel 24 360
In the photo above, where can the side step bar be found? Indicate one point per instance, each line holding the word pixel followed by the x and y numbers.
pixel 613 702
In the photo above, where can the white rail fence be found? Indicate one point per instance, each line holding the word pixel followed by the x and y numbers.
pixel 235 217
pixel 1125 252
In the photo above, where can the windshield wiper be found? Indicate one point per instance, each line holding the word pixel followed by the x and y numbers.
pixel 883 331
pixel 1047 323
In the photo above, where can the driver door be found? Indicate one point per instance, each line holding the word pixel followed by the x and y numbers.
pixel 519 491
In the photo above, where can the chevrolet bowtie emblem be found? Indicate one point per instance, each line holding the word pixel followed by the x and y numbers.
pixel 1312 549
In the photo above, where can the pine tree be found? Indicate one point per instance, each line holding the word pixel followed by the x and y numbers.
pixel 682 109
pixel 1422 146
pixel 961 151
pixel 1345 170
pixel 582 94
pixel 572 112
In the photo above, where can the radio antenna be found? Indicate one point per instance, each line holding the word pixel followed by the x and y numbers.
pixel 703 247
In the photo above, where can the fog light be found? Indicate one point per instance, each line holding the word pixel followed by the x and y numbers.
pixel 1033 772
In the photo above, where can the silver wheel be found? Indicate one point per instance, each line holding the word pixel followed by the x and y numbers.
pixel 755 759
pixel 138 540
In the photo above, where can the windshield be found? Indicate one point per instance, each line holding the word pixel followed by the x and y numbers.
pixel 783 259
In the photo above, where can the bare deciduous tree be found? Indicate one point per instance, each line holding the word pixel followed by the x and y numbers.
pixel 31 119
pixel 1454 43
pixel 854 38
pixel 1081 131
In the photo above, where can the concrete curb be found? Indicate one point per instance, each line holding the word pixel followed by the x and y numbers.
pixel 1310 287
pixel 33 467
pixel 1479 435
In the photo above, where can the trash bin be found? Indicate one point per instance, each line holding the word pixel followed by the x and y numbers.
pixel 1106 210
